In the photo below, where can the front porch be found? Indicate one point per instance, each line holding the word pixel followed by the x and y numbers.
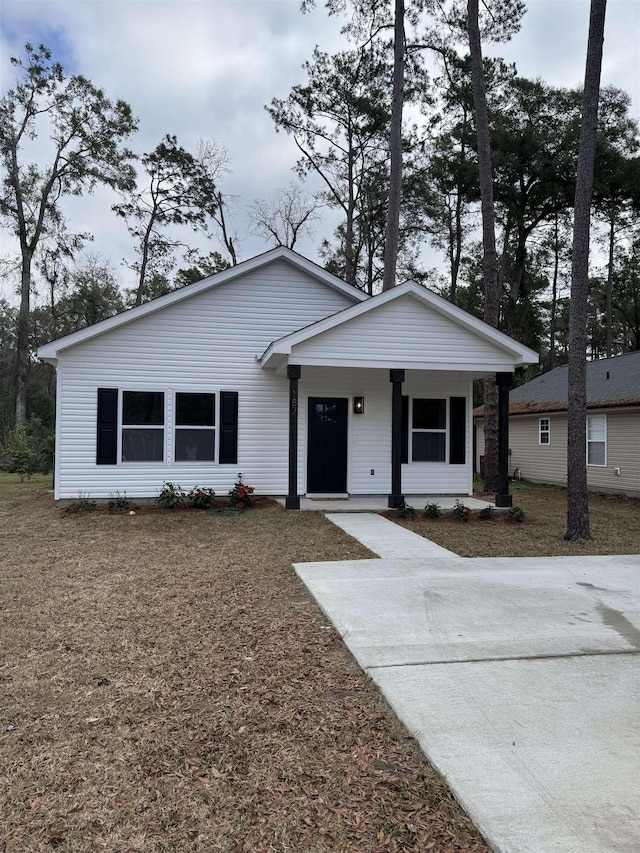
pixel 380 503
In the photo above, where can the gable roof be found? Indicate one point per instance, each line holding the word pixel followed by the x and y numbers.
pixel 282 347
pixel 49 352
pixel 611 382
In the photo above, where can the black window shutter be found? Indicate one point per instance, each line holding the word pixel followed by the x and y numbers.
pixel 107 436
pixel 405 429
pixel 228 427
pixel 457 430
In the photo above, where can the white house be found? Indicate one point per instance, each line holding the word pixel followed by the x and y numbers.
pixel 279 370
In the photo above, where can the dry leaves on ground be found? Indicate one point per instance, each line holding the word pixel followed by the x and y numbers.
pixel 168 685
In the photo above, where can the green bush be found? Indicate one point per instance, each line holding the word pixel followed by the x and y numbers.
pixel 30 449
pixel 515 513
pixel 200 498
pixel 241 496
pixel 432 510
pixel 171 496
pixel 83 504
pixel 486 513
pixel 460 511
pixel 118 502
pixel 404 511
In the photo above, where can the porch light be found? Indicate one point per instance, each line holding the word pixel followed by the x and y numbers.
pixel 358 405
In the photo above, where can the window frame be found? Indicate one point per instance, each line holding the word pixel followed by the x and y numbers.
pixel 599 441
pixel 542 431
pixel 215 428
pixel 122 426
pixel 447 426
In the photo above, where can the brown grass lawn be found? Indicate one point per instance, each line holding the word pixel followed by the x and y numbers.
pixel 615 527
pixel 167 684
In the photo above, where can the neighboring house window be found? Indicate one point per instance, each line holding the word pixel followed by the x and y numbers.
pixel 597 440
pixel 545 431
pixel 195 434
pixel 429 431
pixel 142 426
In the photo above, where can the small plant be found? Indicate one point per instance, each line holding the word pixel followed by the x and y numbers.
pixel 460 511
pixel 240 496
pixel 200 498
pixel 515 513
pixel 171 496
pixel 118 502
pixel 486 513
pixel 404 511
pixel 432 510
pixel 83 504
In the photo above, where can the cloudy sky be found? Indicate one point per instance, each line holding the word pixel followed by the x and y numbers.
pixel 206 68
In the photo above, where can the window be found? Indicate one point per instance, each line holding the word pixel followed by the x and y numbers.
pixel 429 431
pixel 597 440
pixel 142 426
pixel 195 434
pixel 545 431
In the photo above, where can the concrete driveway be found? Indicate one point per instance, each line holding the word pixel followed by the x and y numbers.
pixel 519 678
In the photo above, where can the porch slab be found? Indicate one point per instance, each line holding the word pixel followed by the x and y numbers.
pixel 379 503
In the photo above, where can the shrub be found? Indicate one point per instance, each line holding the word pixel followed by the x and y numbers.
pixel 460 511
pixel 486 513
pixel 515 513
pixel 171 496
pixel 200 498
pixel 240 496
pixel 404 511
pixel 30 449
pixel 118 502
pixel 432 510
pixel 83 504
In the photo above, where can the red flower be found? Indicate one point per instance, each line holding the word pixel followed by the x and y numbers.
pixel 241 494
pixel 240 506
pixel 250 490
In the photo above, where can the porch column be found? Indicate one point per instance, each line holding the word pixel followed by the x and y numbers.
pixel 292 501
pixel 396 498
pixel 503 380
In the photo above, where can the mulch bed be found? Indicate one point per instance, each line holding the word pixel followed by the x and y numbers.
pixel 167 684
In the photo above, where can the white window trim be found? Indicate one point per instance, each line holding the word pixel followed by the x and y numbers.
pixel 546 432
pixel 445 431
pixel 587 442
pixel 215 427
pixel 122 426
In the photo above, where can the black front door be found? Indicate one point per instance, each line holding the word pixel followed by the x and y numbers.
pixel 327 445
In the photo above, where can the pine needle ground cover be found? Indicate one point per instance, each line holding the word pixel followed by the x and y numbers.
pixel 615 526
pixel 167 684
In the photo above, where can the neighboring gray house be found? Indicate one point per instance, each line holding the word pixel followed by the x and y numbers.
pixel 538 426
pixel 277 369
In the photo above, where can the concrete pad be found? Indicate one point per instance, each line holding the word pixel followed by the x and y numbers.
pixel 385 538
pixel 410 612
pixel 542 754
pixel 519 678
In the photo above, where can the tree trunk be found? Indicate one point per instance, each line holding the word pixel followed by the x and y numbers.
pixel 553 322
pixel 395 150
pixel 577 502
pixel 489 260
pixel 22 347
pixel 609 295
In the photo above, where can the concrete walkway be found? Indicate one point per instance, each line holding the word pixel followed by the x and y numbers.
pixel 385 538
pixel 519 678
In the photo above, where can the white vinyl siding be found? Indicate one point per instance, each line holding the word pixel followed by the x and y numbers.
pixel 208 342
pixel 400 334
pixel 548 464
pixel 597 440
